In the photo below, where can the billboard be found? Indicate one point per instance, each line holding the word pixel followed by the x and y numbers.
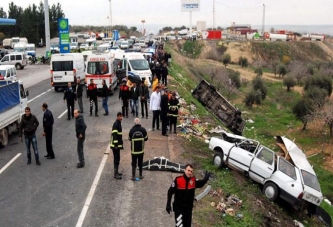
pixel 190 5
pixel 63 29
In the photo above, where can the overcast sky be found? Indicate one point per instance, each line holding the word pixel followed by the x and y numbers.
pixel 168 12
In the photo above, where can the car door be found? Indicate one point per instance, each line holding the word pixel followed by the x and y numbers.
pixel 262 165
pixel 240 158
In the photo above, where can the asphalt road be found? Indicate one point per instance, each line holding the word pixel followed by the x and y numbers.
pixel 57 193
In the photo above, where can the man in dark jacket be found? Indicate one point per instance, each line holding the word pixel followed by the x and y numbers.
pixel 92 96
pixel 79 94
pixel 124 95
pixel 184 189
pixel 135 94
pixel 70 97
pixel 116 144
pixel 80 128
pixel 48 127
pixel 137 136
pixel 144 95
pixel 28 126
pixel 164 72
pixel 173 112
pixel 164 111
pixel 105 96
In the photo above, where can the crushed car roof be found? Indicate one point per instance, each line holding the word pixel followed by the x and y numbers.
pixel 297 155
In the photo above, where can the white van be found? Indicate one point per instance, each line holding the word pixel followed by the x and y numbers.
pixel 7 73
pixel 19 60
pixel 136 64
pixel 30 49
pixel 66 67
pixel 20 47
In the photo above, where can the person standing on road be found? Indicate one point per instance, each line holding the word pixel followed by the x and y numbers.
pixel 124 94
pixel 173 112
pixel 137 135
pixel 80 128
pixel 144 95
pixel 79 93
pixel 135 94
pixel 48 128
pixel 155 106
pixel 28 126
pixel 92 96
pixel 165 72
pixel 105 96
pixel 70 97
pixel 183 187
pixel 164 110
pixel 116 144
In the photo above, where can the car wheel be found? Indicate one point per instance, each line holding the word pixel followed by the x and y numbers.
pixel 218 160
pixel 4 135
pixel 271 191
pixel 18 66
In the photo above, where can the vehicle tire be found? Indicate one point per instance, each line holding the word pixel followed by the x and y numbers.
pixel 271 191
pixel 56 88
pixel 4 135
pixel 218 160
pixel 18 66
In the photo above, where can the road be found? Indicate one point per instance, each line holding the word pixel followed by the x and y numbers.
pixel 57 193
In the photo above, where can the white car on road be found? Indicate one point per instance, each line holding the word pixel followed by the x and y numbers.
pixel 289 176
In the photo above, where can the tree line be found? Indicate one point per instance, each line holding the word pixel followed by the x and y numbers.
pixel 30 21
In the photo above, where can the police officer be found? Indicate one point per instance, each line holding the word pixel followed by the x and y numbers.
pixel 116 144
pixel 137 135
pixel 184 189
pixel 48 121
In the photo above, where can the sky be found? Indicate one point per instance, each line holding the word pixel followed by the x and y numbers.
pixel 161 13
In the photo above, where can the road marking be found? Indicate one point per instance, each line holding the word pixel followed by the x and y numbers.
pixel 10 162
pixel 62 114
pixel 39 95
pixel 92 189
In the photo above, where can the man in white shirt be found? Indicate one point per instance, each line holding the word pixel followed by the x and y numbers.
pixel 155 106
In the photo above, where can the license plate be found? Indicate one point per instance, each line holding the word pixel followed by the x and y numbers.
pixel 57 77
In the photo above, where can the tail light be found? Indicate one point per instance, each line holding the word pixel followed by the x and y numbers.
pixel 51 72
pixel 74 72
pixel 300 196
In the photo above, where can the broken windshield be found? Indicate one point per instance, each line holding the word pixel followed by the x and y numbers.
pixel 310 180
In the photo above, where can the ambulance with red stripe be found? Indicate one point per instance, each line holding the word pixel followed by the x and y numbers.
pixel 100 67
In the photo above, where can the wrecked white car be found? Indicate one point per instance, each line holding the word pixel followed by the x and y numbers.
pixel 289 176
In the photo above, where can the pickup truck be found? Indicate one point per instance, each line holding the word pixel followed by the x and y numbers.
pixel 288 175
pixel 13 100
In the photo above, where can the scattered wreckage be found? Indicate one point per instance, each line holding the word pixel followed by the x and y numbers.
pixel 229 115
pixel 163 164
pixel 288 175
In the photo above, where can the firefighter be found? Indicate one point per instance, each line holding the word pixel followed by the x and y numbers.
pixel 184 189
pixel 116 144
pixel 137 135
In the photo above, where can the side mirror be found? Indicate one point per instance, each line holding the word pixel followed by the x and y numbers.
pixel 26 93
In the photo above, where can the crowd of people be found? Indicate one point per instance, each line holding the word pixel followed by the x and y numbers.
pixel 162 103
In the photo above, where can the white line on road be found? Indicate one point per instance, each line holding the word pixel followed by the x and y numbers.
pixel 10 162
pixel 92 190
pixel 62 114
pixel 39 95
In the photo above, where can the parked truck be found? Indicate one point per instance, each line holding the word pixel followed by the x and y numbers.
pixel 13 100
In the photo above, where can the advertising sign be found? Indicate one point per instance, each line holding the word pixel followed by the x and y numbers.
pixel 63 30
pixel 190 5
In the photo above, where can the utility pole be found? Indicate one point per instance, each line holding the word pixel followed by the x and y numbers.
pixel 110 17
pixel 47 25
pixel 213 14
pixel 263 20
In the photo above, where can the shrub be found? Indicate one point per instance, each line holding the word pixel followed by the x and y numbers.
pixel 226 59
pixel 243 62
pixel 252 97
pixel 289 82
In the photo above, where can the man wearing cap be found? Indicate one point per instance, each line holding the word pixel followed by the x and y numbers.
pixel 144 95
pixel 173 112
pixel 116 144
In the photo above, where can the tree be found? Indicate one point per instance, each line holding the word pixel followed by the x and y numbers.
pixel 304 110
pixel 327 115
pixel 258 85
pixel 226 59
pixel 243 62
pixel 289 82
pixel 258 71
pixel 235 78
pixel 318 95
pixel 275 67
pixel 324 82
pixel 133 29
pixel 282 70
pixel 252 97
pixel 297 70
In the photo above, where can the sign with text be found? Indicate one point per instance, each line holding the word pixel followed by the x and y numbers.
pixel 190 5
pixel 63 30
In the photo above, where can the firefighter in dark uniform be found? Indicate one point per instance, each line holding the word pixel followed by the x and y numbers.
pixel 137 135
pixel 184 189
pixel 116 144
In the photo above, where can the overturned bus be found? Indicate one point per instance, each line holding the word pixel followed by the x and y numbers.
pixel 229 115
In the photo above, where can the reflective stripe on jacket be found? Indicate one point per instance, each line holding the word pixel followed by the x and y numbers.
pixel 116 135
pixel 138 135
